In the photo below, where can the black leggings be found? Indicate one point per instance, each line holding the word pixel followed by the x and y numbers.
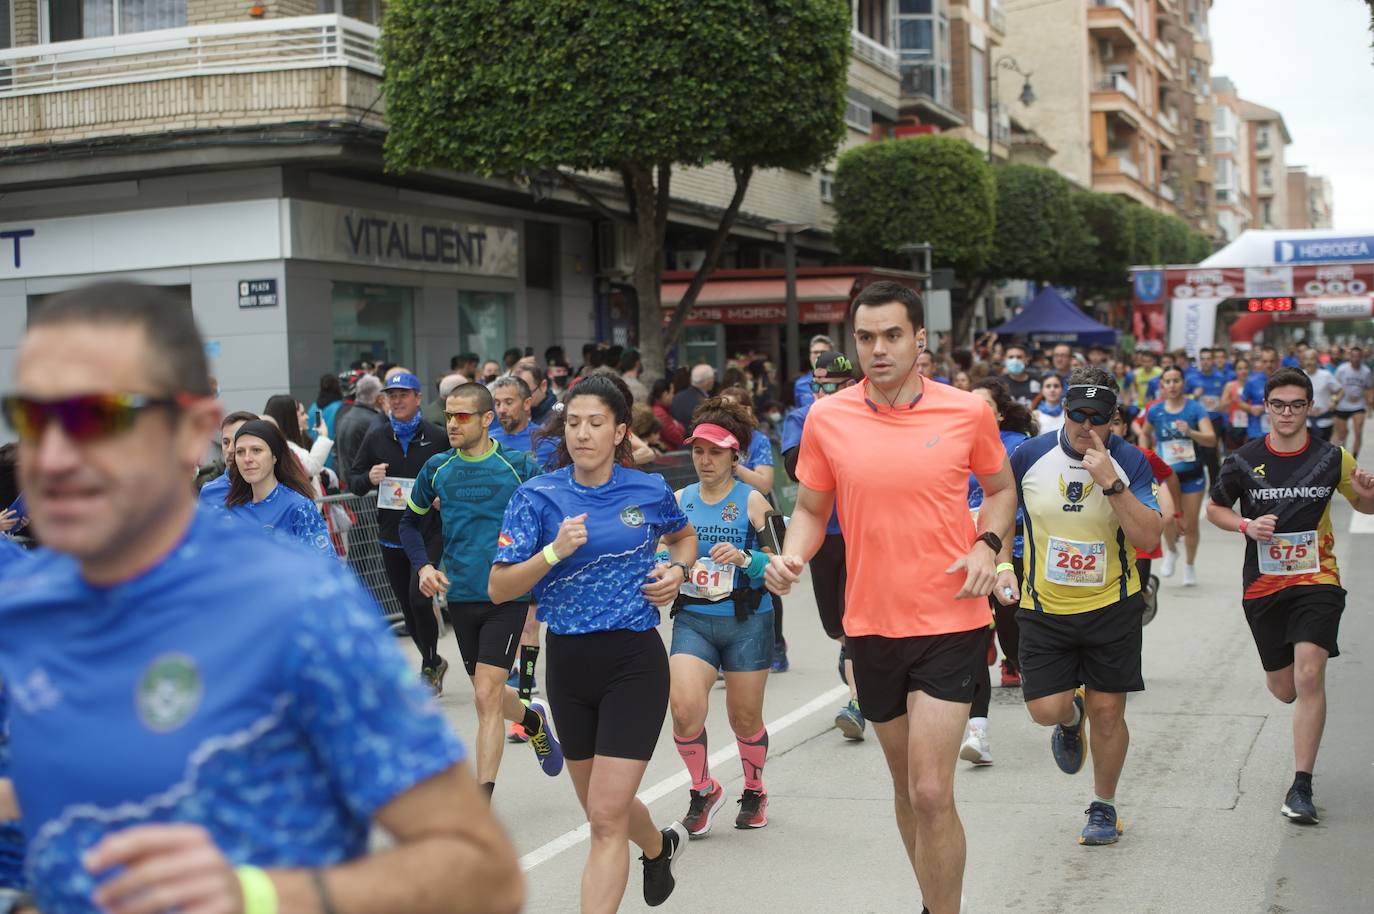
pixel 828 577
pixel 417 608
pixel 982 685
pixel 1008 631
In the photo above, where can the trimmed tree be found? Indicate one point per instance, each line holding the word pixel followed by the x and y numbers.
pixel 1175 239
pixel 1199 247
pixel 631 89
pixel 1040 235
pixel 1145 236
pixel 930 188
pixel 1103 271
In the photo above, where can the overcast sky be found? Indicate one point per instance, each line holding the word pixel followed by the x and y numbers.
pixel 1310 60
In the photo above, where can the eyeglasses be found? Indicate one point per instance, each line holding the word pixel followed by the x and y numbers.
pixel 463 418
pixel 84 418
pixel 829 387
pixel 1287 406
pixel 1082 415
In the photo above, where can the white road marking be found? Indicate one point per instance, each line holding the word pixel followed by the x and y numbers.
pixel 1361 523
pixel 677 781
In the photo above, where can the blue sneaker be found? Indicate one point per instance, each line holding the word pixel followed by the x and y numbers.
pixel 1067 743
pixel 1298 805
pixel 1103 826
pixel 850 722
pixel 780 664
pixel 545 744
pixel 513 680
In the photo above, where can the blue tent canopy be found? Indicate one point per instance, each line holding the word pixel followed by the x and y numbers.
pixel 1049 318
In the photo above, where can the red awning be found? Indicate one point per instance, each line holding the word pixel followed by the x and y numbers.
pixel 820 300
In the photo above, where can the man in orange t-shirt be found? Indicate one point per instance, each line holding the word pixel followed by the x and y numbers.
pixel 897 453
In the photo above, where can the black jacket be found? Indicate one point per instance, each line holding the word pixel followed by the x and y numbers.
pixel 349 430
pixel 379 445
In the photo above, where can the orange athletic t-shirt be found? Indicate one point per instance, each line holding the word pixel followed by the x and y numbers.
pixel 900 476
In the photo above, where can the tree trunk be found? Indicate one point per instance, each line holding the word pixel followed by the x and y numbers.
pixel 649 229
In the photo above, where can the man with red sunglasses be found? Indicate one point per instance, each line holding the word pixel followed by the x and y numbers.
pixel 166 755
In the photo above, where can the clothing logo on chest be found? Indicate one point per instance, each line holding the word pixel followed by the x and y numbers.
pixel 35 692
pixel 168 692
pixel 1258 471
pixel 729 513
pixel 1075 493
pixel 632 516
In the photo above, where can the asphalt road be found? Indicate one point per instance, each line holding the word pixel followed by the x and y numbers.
pixel 1210 760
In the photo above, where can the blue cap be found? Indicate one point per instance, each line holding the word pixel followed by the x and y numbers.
pixel 403 380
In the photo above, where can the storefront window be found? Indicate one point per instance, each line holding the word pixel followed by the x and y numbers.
pixel 484 322
pixel 376 323
pixel 702 345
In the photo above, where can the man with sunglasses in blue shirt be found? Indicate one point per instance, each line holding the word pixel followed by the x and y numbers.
pixel 1088 499
pixel 202 718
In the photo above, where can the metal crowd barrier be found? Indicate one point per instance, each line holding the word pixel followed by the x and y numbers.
pixel 352 522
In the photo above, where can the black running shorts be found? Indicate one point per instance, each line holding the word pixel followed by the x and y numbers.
pixel 1098 649
pixel 609 692
pixel 1308 612
pixel 488 632
pixel 886 670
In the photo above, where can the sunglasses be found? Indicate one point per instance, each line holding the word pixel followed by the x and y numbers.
pixel 463 418
pixel 1287 406
pixel 1082 415
pixel 828 387
pixel 85 418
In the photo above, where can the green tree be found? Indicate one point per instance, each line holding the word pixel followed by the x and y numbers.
pixel 1103 271
pixel 1039 234
pixel 1145 236
pixel 1175 239
pixel 1199 247
pixel 930 188
pixel 601 95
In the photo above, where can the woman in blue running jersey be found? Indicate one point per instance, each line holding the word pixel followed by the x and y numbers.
pixel 723 618
pixel 583 538
pixel 1179 427
pixel 268 488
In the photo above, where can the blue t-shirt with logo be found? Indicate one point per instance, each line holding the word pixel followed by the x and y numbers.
pixel 792 427
pixel 543 452
pixel 215 491
pixel 287 515
pixel 1211 384
pixel 598 587
pixel 1163 421
pixel 726 521
pixel 1253 392
pixel 242 684
pixel 760 452
pixel 12 558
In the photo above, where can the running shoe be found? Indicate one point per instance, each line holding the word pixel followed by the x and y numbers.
pixel 780 664
pixel 753 809
pixel 1103 826
pixel 1298 805
pixel 516 733
pixel 1011 676
pixel 659 881
pixel 976 749
pixel 1170 557
pixel 1067 743
pixel 702 809
pixel 1189 576
pixel 850 722
pixel 433 677
pixel 1151 600
pixel 545 744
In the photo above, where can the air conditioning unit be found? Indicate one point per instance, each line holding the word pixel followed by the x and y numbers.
pixel 614 248
pixel 1105 49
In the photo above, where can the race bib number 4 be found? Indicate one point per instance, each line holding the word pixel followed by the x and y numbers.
pixel 709 581
pixel 394 492
pixel 1076 564
pixel 1179 450
pixel 1289 553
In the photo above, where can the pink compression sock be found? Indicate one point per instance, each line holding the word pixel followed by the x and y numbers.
pixel 694 756
pixel 753 752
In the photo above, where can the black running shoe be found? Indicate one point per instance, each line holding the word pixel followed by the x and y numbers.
pixel 1298 805
pixel 658 872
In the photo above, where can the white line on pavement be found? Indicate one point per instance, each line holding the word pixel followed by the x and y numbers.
pixel 677 781
pixel 1361 523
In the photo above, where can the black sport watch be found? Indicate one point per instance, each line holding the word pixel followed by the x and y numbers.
pixel 993 541
pixel 1115 488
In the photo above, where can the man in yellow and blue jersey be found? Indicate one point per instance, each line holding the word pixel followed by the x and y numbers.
pixel 1088 503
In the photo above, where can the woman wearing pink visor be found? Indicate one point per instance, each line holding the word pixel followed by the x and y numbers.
pixel 723 618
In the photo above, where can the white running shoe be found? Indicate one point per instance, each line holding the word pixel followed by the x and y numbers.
pixel 976 749
pixel 1189 576
pixel 1170 558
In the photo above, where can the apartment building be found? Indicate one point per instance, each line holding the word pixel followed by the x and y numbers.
pixel 232 152
pixel 1268 169
pixel 1231 161
pixel 1309 199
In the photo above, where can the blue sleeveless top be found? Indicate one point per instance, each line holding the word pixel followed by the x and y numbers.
pixel 727 521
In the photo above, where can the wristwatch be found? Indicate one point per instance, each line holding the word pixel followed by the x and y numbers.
pixel 686 569
pixel 748 558
pixel 993 541
pixel 1115 488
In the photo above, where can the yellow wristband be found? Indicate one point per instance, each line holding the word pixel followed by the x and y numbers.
pixel 259 892
pixel 1005 566
pixel 550 556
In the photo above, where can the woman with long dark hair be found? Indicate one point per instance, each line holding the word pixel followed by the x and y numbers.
pixel 267 488
pixel 1178 426
pixel 326 409
pixel 291 418
pixel 583 538
pixel 1016 424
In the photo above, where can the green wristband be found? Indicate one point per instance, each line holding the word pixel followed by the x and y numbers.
pixel 1006 566
pixel 259 892
pixel 550 556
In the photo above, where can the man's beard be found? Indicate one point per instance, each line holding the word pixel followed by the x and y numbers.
pixel 511 423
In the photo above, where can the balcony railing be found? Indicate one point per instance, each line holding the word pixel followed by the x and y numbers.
pixel 876 53
pixel 1118 83
pixel 1124 5
pixel 240 47
pixel 1224 145
pixel 918 80
pixel 1167 192
pixel 1167 52
pixel 1169 120
pixel 1123 162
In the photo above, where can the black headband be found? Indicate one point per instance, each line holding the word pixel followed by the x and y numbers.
pixel 267 431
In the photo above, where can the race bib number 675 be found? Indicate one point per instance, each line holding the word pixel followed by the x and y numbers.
pixel 1289 553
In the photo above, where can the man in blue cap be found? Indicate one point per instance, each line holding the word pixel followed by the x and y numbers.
pixel 387 462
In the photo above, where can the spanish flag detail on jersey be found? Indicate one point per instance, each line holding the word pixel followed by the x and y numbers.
pixel 1077 556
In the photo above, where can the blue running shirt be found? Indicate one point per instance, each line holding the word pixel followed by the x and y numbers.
pixel 760 452
pixel 287 515
pixel 242 684
pixel 473 493
pixel 597 588
pixel 215 491
pixel 1180 452
pixel 523 441
pixel 792 426
pixel 727 521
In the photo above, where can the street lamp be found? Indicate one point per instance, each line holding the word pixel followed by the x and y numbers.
pixel 1027 96
pixel 791 333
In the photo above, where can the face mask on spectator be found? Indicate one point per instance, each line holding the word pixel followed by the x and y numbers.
pixel 1015 366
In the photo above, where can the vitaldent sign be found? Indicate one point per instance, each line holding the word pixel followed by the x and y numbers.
pixel 1318 250
pixel 321 231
